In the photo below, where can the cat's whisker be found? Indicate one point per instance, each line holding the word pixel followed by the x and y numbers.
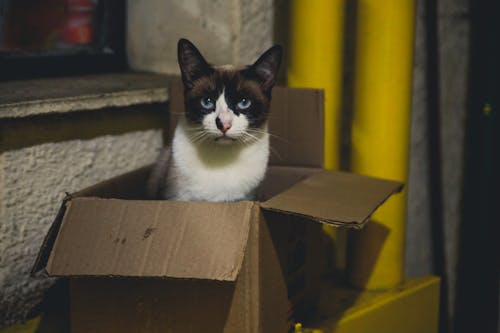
pixel 196 140
pixel 251 136
pixel 247 140
pixel 195 129
pixel 197 134
pixel 271 149
pixel 199 137
pixel 270 134
pixel 203 138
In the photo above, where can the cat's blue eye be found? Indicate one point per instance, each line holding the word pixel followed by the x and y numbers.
pixel 244 104
pixel 207 103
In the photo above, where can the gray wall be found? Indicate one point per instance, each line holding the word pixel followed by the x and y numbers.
pixel 225 31
pixel 453 39
pixel 34 181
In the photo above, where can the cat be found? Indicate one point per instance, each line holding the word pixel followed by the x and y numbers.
pixel 220 147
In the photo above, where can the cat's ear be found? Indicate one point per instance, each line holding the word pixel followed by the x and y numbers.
pixel 191 62
pixel 267 66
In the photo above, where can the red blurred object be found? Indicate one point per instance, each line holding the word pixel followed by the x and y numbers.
pixel 79 24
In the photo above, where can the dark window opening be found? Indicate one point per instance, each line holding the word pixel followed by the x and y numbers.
pixel 47 38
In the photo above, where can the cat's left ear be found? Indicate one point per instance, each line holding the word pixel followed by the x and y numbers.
pixel 267 66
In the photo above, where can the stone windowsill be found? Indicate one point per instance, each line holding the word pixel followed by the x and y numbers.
pixel 25 98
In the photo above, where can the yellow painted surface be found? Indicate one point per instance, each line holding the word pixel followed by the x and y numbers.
pixel 411 308
pixel 315 52
pixel 315 61
pixel 28 327
pixel 380 133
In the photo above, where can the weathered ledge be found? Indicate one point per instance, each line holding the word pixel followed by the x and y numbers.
pixel 25 98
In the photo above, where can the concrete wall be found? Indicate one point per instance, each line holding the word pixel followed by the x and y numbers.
pixel 225 31
pixel 453 32
pixel 453 39
pixel 418 257
pixel 34 179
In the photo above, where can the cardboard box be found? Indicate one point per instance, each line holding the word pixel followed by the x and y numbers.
pixel 162 266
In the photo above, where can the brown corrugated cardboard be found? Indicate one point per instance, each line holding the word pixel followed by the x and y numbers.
pixel 298 246
pixel 149 305
pixel 333 197
pixel 255 302
pixel 280 178
pixel 161 266
pixel 110 237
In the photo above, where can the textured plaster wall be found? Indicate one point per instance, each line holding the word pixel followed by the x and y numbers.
pixel 453 39
pixel 454 60
pixel 418 259
pixel 33 181
pixel 225 31
pixel 256 20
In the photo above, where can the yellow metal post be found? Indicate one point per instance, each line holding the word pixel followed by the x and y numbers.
pixel 315 61
pixel 315 51
pixel 380 133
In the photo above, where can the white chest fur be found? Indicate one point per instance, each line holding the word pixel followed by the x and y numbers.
pixel 212 172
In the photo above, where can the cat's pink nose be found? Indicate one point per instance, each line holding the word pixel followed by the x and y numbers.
pixel 223 126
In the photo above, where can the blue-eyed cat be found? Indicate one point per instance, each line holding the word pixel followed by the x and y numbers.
pixel 220 147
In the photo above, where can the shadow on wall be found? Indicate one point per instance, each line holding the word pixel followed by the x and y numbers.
pixel 478 272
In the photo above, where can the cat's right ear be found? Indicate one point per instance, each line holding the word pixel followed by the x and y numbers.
pixel 192 64
pixel 266 67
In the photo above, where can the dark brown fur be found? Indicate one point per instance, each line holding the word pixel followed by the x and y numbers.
pixel 236 86
pixel 202 80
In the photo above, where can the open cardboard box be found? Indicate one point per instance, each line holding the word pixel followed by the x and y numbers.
pixel 139 265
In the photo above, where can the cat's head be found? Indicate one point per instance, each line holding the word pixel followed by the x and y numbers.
pixel 226 104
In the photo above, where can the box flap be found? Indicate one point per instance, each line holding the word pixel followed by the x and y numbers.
pixel 49 240
pixel 110 237
pixel 334 197
pixel 126 186
pixel 281 178
pixel 295 123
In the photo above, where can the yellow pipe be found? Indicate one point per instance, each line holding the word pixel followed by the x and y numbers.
pixel 315 61
pixel 315 52
pixel 380 134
